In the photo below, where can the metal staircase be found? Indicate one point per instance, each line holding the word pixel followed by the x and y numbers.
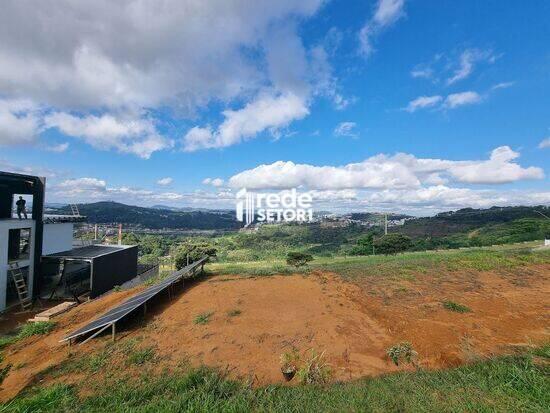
pixel 20 286
pixel 74 210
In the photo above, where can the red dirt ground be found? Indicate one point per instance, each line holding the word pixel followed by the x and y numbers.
pixel 354 323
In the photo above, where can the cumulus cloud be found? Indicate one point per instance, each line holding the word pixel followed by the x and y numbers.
pixel 422 102
pixel 125 134
pixel 386 13
pixel 455 100
pixel 400 171
pixel 165 181
pixel 545 143
pixel 440 197
pixel 72 66
pixel 346 129
pixel 216 182
pixel 19 122
pixel 266 112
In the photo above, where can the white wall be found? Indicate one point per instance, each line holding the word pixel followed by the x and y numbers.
pixel 57 238
pixel 5 226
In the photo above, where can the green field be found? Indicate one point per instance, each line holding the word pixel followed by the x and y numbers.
pixel 403 264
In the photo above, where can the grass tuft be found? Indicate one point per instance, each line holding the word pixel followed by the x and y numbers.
pixel 203 318
pixel 456 307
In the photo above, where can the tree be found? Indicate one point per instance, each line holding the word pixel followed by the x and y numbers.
pixel 189 252
pixel 392 244
pixel 364 245
pixel 298 259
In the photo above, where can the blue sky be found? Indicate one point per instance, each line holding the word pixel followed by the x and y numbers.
pixel 184 105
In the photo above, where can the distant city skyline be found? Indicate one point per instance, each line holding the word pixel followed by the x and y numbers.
pixel 387 105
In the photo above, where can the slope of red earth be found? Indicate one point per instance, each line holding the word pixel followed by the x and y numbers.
pixel 254 320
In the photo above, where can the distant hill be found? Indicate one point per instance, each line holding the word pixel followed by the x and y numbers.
pixel 155 218
pixel 463 220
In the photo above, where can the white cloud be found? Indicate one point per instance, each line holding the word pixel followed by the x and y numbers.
pixel 467 61
pixel 545 143
pixel 400 171
pixel 165 181
pixel 455 100
pixel 265 112
pixel 125 134
pixel 59 148
pixel 386 13
pixel 440 197
pixel 422 102
pixel 216 182
pixel 503 85
pixel 72 65
pixel 19 122
pixel 346 129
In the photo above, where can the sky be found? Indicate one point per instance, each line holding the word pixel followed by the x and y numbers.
pixel 386 105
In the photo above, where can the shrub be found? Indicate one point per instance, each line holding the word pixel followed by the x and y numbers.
pixel 402 352
pixel 298 259
pixel 392 244
pixel 192 251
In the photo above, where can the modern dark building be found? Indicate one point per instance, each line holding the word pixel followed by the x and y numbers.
pixel 41 248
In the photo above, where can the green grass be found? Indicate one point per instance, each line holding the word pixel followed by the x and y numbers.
pixel 141 356
pixel 456 307
pixel 400 265
pixel 203 318
pixel 513 383
pixel 28 330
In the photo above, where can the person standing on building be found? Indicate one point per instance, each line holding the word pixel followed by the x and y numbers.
pixel 21 207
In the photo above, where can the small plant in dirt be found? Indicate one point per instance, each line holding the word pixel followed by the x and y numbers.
pixel 4 373
pixel 203 318
pixel 315 370
pixel 402 352
pixel 141 356
pixel 234 313
pixel 298 259
pixel 289 364
pixel 456 307
pixel 117 288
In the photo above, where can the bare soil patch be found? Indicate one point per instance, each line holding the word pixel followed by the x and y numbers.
pixel 252 321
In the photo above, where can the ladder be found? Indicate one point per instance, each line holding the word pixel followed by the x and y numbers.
pixel 20 286
pixel 74 210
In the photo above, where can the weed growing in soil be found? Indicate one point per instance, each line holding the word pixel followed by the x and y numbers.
pixel 457 308
pixel 402 352
pixel 234 313
pixel 315 370
pixel 203 318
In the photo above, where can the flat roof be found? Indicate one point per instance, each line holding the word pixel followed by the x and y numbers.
pixel 91 251
pixel 58 219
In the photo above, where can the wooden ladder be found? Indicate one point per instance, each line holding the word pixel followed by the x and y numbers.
pixel 21 287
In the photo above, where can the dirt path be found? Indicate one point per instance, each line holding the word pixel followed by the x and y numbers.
pixel 254 320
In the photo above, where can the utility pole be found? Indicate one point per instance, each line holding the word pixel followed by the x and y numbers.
pixel 386 224
pixel 119 234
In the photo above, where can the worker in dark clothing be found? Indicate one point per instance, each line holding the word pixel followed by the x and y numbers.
pixel 21 207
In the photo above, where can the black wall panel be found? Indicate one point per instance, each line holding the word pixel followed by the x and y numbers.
pixel 113 269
